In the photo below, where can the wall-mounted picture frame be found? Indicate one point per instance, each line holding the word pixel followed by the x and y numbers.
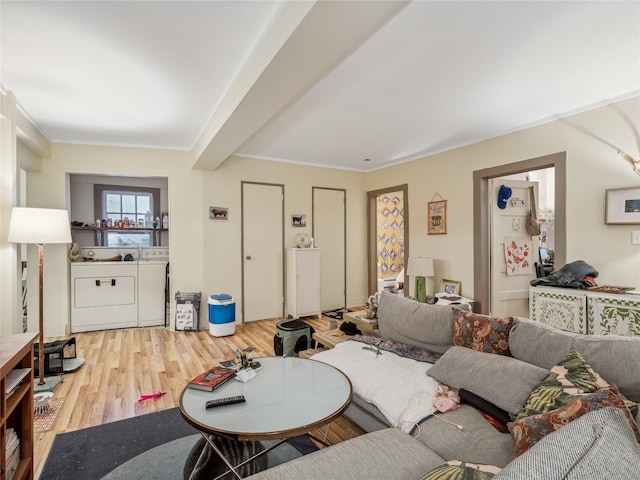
pixel 437 217
pixel 450 287
pixel 219 213
pixel 622 206
pixel 299 220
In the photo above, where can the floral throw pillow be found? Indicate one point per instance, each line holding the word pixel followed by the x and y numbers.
pixel 481 332
pixel 530 430
pixel 570 378
pixel 462 471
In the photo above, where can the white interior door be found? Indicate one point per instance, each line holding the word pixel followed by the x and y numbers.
pixel 329 218
pixel 510 281
pixel 262 251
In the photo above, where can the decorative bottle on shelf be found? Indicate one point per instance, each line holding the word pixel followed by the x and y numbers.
pixel 148 220
pixel 165 220
pixel 156 222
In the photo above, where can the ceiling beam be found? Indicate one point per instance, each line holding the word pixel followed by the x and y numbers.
pixel 303 43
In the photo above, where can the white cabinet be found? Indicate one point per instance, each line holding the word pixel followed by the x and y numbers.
pixel 612 313
pixel 563 308
pixel 586 312
pixel 303 282
pixel 103 296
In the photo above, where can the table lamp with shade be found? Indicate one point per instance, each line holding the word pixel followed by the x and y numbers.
pixel 40 226
pixel 420 267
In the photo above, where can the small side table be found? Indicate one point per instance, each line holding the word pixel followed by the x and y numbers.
pixel 330 338
pixel 369 326
pixel 310 352
pixel 461 300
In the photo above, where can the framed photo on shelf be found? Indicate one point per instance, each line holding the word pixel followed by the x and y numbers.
pixel 450 287
pixel 437 217
pixel 622 206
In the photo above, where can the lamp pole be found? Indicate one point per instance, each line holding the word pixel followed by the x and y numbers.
pixel 41 313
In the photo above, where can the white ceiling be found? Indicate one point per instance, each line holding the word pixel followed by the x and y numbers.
pixel 322 83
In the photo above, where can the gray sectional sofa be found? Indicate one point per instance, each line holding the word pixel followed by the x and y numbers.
pixel 599 444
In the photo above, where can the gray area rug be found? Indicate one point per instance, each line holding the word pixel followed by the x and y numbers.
pixel 167 461
pixel 156 442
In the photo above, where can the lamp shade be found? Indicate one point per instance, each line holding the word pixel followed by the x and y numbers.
pixel 39 225
pixel 420 267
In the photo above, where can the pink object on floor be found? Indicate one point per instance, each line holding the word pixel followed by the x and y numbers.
pixel 149 397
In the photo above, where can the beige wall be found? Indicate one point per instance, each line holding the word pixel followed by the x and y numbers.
pixel 222 240
pixel 205 254
pixel 51 188
pixel 592 168
pixel 196 242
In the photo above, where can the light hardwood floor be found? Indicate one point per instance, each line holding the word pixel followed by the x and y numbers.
pixel 121 365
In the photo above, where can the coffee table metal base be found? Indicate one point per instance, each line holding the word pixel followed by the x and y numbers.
pixel 289 397
pixel 324 441
pixel 235 469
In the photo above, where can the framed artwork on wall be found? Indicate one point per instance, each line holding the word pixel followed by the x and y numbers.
pixel 218 213
pixel 622 206
pixel 437 217
pixel 299 220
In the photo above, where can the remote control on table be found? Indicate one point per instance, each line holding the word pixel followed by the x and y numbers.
pixel 225 401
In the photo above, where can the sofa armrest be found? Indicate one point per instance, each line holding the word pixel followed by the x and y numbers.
pixel 390 454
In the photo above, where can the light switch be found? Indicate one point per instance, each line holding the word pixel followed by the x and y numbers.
pixel 635 237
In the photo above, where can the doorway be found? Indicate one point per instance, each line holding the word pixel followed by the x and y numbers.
pixel 329 234
pixel 482 221
pixel 387 226
pixel 262 251
pixel 513 249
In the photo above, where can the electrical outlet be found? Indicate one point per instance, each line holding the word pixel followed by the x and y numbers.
pixel 635 237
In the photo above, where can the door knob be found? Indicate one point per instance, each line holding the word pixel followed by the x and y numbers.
pixel 248 257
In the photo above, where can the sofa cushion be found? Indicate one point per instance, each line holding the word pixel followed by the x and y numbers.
pixel 503 381
pixel 477 442
pixel 599 444
pixel 390 454
pixel 571 377
pixel 614 357
pixel 457 469
pixel 530 430
pixel 415 323
pixel 482 333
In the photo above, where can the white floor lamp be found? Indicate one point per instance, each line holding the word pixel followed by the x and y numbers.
pixel 40 226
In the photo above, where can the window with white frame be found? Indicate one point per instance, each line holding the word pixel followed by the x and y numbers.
pixel 130 207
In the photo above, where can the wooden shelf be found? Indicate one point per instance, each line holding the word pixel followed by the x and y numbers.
pixel 129 229
pixel 16 351
pixel 100 232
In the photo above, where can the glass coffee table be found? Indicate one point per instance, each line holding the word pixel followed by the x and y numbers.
pixel 290 396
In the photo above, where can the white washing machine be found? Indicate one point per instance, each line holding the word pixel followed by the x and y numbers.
pixel 104 294
pixel 152 279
